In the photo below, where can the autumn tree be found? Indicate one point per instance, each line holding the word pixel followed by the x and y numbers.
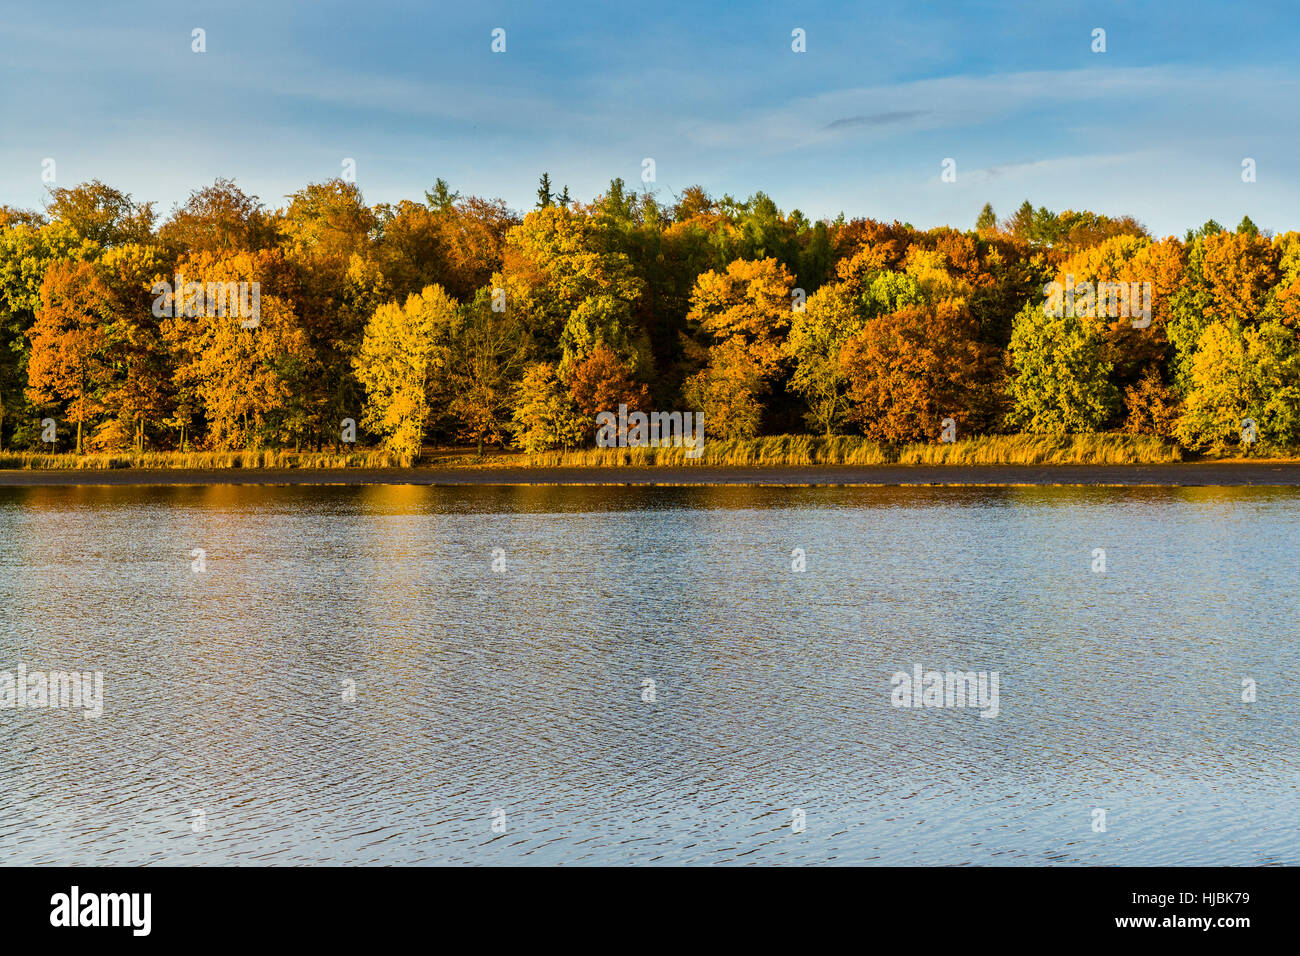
pixel 817 336
pixel 743 313
pixel 910 369
pixel 1229 277
pixel 545 415
pixel 601 383
pixel 1128 274
pixel 220 218
pixel 728 392
pixel 101 214
pixel 327 232
pixel 139 390
pixel 11 216
pixel 749 305
pixel 403 364
pixel 68 361
pixel 1238 373
pixel 448 240
pixel 567 287
pixel 246 365
pixel 27 252
pixel 1151 406
pixel 1239 269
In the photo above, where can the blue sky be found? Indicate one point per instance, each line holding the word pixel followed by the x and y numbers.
pixel 1157 126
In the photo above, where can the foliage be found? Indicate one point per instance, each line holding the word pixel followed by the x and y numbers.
pixel 454 318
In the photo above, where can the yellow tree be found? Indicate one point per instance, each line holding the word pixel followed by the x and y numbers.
pixel 727 392
pixel 744 312
pixel 748 304
pixel 565 283
pixel 404 356
pixel 545 415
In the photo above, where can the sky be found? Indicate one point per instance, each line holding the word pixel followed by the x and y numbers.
pixel 1157 126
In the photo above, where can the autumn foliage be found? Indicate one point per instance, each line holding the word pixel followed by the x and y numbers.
pixel 454 319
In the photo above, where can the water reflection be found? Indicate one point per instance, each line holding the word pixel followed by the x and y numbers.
pixel 522 690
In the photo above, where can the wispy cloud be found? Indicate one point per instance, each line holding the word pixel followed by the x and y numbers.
pixel 1058 98
pixel 875 119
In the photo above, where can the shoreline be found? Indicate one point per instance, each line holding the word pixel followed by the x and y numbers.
pixel 1286 474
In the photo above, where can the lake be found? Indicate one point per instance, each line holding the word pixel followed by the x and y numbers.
pixel 401 674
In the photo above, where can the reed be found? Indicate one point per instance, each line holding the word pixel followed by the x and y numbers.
pixel 778 450
pixel 201 460
pixel 770 450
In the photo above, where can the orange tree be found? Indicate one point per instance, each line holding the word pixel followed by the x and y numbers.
pixel 68 360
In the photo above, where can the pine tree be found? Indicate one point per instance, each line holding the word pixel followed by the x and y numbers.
pixel 544 195
pixel 1021 223
pixel 441 197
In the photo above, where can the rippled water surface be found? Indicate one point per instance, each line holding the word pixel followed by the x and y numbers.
pixel 522 690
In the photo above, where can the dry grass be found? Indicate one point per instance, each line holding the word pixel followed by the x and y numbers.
pixel 779 450
pixel 774 450
pixel 201 460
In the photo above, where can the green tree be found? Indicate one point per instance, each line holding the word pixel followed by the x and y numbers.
pixel 817 335
pixel 101 214
pixel 1061 383
pixel 545 416
pixel 488 356
pixel 441 198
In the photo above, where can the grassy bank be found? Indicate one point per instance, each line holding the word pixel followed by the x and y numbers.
pixel 778 450
pixel 364 458
pixel 773 451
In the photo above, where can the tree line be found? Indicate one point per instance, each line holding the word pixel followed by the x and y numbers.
pixel 455 319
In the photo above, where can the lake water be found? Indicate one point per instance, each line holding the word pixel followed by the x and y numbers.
pixel 519 696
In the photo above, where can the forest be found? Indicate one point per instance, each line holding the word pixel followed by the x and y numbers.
pixel 456 320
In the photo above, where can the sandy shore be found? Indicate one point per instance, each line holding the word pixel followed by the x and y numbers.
pixel 1188 473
